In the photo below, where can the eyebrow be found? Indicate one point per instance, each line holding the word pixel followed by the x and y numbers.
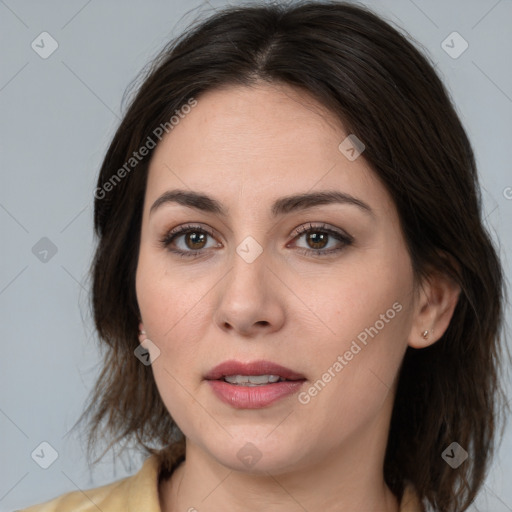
pixel 281 206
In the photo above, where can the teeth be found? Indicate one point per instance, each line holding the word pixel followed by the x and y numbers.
pixel 252 380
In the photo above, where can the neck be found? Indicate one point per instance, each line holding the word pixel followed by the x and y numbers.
pixel 349 478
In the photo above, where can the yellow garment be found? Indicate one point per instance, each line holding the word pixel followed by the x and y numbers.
pixel 139 493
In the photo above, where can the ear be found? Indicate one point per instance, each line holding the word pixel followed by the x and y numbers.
pixel 435 303
pixel 142 332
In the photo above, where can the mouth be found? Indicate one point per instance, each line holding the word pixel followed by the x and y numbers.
pixel 253 385
pixel 252 380
pixel 256 373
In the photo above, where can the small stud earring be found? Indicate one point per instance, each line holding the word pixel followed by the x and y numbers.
pixel 425 334
pixel 142 332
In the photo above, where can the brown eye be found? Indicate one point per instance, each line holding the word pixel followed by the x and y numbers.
pixel 319 237
pixel 187 240
pixel 195 240
pixel 317 240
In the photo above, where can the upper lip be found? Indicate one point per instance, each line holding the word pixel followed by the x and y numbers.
pixel 252 368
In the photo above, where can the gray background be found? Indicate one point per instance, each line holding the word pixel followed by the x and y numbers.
pixel 57 117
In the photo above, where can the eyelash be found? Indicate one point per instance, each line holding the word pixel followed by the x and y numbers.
pixel 346 239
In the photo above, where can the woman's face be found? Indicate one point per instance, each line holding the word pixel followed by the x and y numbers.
pixel 323 289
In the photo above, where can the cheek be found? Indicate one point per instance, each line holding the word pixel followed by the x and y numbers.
pixel 366 298
pixel 354 369
pixel 175 311
pixel 169 301
pixel 354 381
pixel 172 316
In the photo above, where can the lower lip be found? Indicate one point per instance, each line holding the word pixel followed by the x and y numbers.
pixel 253 397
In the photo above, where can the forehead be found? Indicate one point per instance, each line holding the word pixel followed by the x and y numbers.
pixel 259 141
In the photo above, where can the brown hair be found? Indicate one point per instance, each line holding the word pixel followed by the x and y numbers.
pixel 386 93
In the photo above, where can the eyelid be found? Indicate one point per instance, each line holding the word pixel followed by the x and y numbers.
pixel 343 237
pixel 183 229
pixel 304 228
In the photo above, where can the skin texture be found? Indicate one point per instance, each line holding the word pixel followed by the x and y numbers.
pixel 247 147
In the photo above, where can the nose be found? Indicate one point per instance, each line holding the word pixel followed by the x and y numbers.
pixel 251 299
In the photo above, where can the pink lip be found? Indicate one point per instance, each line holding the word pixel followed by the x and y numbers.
pixel 254 368
pixel 253 397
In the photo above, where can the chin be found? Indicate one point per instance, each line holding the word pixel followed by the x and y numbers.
pixel 253 461
pixel 255 453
